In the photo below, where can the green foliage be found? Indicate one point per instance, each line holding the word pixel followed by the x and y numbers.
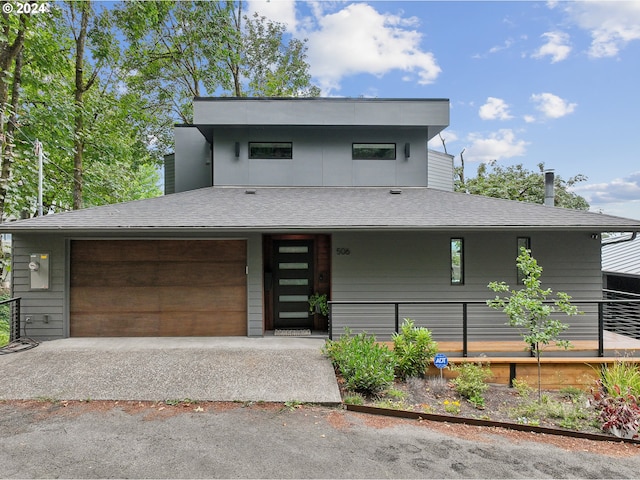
pixel 529 310
pixel 413 348
pixel 366 366
pixel 319 302
pixel 572 414
pixel 522 387
pixel 471 382
pixel 621 376
pixel 517 183
pixel 5 318
pixel 353 398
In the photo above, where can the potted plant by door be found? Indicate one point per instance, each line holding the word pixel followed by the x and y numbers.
pixel 318 304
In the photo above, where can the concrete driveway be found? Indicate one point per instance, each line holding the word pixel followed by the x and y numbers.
pixel 270 369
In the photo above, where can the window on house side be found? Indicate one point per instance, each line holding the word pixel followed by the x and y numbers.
pixel 457 261
pixel 373 151
pixel 526 243
pixel 271 150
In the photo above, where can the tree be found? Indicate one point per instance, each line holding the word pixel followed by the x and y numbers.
pixel 530 312
pixel 181 50
pixel 517 183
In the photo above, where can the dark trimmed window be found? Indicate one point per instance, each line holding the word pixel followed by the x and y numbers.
pixel 526 243
pixel 271 150
pixel 373 151
pixel 457 261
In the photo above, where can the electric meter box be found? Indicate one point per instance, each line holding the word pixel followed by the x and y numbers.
pixel 39 271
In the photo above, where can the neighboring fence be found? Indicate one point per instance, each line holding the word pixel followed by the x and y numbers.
pixel 13 317
pixel 474 321
pixel 622 317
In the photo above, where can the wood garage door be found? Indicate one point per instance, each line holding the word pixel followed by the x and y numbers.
pixel 149 288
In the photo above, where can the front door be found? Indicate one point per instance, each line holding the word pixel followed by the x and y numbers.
pixel 292 283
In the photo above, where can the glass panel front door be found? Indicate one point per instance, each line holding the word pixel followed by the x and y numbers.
pixel 293 283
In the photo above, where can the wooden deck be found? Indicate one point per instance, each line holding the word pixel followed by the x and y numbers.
pixel 578 366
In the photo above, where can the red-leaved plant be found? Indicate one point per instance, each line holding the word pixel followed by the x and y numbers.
pixel 619 412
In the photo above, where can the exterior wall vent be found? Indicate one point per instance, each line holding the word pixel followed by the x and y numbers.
pixel 250 191
pixel 395 191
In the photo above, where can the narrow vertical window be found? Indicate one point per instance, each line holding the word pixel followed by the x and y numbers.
pixel 523 242
pixel 457 261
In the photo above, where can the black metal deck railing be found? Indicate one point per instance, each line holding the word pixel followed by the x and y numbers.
pixel 615 314
pixel 13 317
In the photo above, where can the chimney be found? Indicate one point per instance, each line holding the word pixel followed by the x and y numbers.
pixel 549 194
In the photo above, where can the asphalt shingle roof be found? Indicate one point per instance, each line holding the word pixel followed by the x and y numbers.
pixel 319 208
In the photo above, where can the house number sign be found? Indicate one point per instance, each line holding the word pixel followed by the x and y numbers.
pixel 343 251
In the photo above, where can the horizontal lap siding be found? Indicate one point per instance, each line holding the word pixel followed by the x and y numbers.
pixel 415 266
pixel 158 288
pixel 36 304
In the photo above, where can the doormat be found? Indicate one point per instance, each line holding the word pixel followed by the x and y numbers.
pixel 298 332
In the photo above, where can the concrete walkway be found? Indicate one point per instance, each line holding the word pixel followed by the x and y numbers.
pixel 270 369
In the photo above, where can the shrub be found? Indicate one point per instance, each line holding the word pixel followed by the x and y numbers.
pixel 621 377
pixel 413 348
pixel 619 413
pixel 471 382
pixel 366 366
pixel 5 320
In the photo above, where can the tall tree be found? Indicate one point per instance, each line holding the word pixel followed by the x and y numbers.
pixel 11 45
pixel 181 50
pixel 517 183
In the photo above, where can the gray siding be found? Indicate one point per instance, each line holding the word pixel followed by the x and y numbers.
pixel 328 112
pixel 192 160
pixel 37 303
pixel 255 302
pixel 321 157
pixel 440 171
pixel 169 174
pixel 415 266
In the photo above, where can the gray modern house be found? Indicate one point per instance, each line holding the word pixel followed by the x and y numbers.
pixel 271 200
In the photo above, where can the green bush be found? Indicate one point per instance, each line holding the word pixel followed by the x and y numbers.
pixel 5 319
pixel 621 377
pixel 471 382
pixel 366 366
pixel 414 349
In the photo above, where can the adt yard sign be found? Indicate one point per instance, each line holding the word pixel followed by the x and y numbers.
pixel 440 360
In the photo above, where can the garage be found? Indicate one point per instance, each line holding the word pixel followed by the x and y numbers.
pixel 158 288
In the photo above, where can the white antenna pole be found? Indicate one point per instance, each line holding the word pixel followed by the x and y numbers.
pixel 39 153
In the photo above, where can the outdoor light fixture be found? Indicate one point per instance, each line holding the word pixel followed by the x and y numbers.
pixel 237 149
pixel 407 150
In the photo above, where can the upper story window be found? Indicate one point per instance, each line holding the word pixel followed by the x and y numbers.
pixel 269 150
pixel 374 151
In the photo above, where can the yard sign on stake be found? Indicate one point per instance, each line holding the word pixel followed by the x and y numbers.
pixel 440 361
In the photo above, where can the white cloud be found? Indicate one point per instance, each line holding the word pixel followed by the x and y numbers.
pixel 358 39
pixel 552 106
pixel 620 197
pixel 612 25
pixel 282 11
pixel 618 190
pixel 449 137
pixel 497 146
pixel 556 47
pixel 494 109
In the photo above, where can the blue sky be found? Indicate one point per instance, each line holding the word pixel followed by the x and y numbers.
pixel 529 82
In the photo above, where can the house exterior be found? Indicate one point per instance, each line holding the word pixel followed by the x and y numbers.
pixel 621 264
pixel 271 200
